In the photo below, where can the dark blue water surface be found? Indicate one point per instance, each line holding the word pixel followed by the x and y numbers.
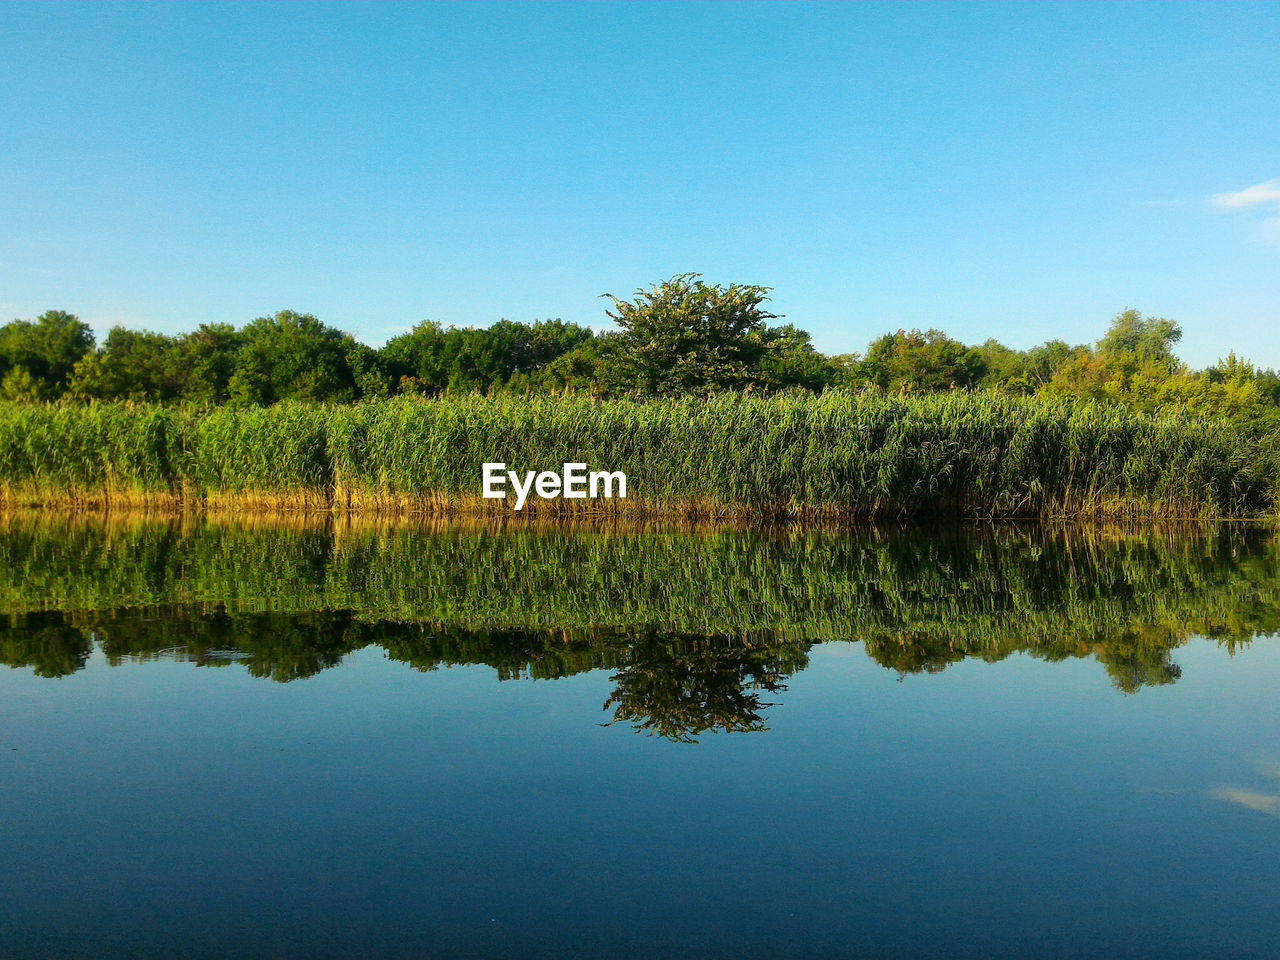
pixel 165 798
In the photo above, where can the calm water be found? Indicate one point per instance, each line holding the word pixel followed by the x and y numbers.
pixel 317 742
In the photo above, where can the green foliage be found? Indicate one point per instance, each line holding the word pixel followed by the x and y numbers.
pixel 1134 365
pixel 47 350
pixel 139 365
pixel 838 454
pixel 581 369
pixel 1023 371
pixel 19 386
pixel 790 360
pixel 911 361
pixel 208 359
pixel 697 630
pixel 292 356
pixel 1135 337
pixel 130 365
pixel 684 336
pixel 680 338
pixel 431 359
pixel 369 371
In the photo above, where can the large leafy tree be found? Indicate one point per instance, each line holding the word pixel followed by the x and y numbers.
pixel 208 358
pixel 1134 351
pixel 42 354
pixel 687 336
pixel 912 361
pixel 293 356
pixel 1135 338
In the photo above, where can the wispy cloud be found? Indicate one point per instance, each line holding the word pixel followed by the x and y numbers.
pixel 1268 192
pixel 1268 803
pixel 1261 198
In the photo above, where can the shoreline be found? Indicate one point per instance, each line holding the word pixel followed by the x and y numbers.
pixel 475 513
pixel 446 506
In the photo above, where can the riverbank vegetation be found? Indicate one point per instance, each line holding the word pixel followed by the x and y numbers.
pixel 707 406
pixel 830 456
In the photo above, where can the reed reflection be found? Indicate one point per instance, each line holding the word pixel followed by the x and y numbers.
pixel 698 631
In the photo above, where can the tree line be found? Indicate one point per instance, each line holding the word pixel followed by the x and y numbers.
pixel 679 337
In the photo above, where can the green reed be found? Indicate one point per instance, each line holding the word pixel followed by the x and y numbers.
pixel 837 455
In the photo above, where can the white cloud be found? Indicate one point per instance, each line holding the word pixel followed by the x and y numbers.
pixel 1268 803
pixel 1262 200
pixel 1268 192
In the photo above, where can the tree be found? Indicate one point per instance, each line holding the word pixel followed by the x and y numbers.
pixel 292 356
pixel 913 361
pixel 130 365
pixel 790 360
pixel 1047 359
pixel 1133 364
pixel 417 357
pixel 19 386
pixel 369 371
pixel 679 687
pixel 208 356
pixel 432 358
pixel 1131 335
pixel 47 349
pixel 685 336
pixel 1023 371
pixel 1003 367
pixel 580 369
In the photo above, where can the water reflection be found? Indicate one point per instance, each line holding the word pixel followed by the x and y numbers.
pixel 679 687
pixel 1268 803
pixel 1265 800
pixel 700 632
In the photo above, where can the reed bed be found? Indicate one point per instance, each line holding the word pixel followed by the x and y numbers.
pixel 791 457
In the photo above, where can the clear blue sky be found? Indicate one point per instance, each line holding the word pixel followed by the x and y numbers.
pixel 1019 171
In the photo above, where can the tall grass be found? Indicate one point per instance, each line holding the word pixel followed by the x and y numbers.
pixel 837 455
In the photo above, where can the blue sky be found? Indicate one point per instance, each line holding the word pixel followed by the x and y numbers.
pixel 1019 171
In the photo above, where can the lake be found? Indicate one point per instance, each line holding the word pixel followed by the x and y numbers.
pixel 331 740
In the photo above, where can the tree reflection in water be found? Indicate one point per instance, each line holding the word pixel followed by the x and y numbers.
pixel 679 687
pixel 699 633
